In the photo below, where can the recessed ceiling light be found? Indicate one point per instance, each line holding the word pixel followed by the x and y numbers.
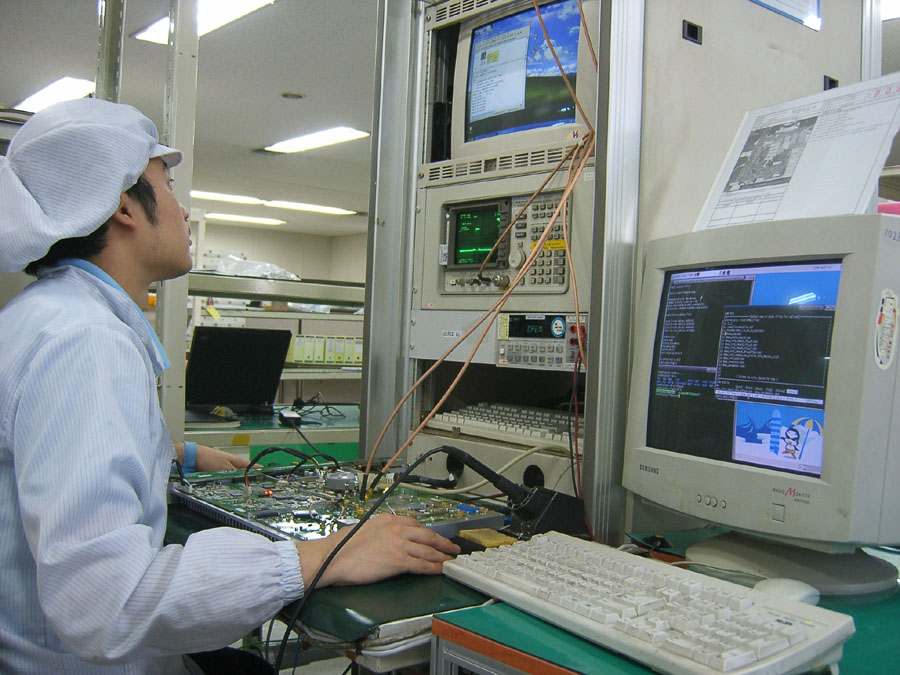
pixel 231 218
pixel 317 139
pixel 315 208
pixel 222 197
pixel 211 14
pixel 64 89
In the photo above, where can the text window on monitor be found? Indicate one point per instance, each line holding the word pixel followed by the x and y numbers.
pixel 740 364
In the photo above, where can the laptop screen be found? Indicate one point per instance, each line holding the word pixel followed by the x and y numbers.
pixel 235 367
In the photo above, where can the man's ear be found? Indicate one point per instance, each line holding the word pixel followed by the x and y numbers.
pixel 124 215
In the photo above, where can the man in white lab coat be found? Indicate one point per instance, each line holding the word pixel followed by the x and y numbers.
pixel 86 205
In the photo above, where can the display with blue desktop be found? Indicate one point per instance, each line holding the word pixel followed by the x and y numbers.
pixel 513 84
pixel 764 397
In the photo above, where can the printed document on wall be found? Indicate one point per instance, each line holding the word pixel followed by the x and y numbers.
pixel 816 156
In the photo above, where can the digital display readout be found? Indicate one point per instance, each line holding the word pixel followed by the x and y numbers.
pixel 537 326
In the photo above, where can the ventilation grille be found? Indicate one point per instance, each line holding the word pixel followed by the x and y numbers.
pixel 457 10
pixel 543 159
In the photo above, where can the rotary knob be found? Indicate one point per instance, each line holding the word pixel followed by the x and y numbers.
pixel 516 258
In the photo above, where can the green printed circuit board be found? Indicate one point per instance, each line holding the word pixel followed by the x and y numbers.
pixel 282 504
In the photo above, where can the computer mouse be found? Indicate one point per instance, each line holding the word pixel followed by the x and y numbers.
pixel 792 589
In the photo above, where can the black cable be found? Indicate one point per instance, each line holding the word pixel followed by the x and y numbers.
pixel 569 423
pixel 442 483
pixel 277 448
pixel 318 453
pixel 366 516
pixel 516 493
pixel 180 472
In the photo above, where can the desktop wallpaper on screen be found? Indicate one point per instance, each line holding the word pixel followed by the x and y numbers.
pixel 514 83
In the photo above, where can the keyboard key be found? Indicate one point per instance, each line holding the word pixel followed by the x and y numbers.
pixel 732 659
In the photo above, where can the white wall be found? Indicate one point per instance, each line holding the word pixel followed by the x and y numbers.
pixel 307 256
pixel 695 96
pixel 348 258
pixel 11 284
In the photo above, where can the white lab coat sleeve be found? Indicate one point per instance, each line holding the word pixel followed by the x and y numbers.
pixel 92 457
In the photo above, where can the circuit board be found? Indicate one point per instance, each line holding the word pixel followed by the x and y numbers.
pixel 281 504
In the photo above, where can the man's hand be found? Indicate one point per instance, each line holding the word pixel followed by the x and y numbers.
pixel 210 459
pixel 385 546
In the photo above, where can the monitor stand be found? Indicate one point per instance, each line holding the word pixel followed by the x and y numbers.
pixel 854 573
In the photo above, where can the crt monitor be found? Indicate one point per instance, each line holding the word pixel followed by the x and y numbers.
pixel 764 395
pixel 514 95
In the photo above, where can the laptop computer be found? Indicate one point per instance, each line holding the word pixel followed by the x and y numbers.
pixel 239 368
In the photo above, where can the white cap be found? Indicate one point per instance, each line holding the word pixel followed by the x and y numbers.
pixel 65 171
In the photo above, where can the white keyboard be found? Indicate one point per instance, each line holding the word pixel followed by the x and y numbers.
pixel 525 425
pixel 668 618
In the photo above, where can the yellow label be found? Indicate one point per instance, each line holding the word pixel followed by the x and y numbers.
pixel 552 245
pixel 213 312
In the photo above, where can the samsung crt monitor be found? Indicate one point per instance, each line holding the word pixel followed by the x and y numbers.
pixel 764 395
pixel 514 94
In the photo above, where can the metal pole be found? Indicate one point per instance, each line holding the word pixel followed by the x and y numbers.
pixel 386 372
pixel 178 132
pixel 111 19
pixel 618 152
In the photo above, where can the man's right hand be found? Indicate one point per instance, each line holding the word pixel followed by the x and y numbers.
pixel 385 546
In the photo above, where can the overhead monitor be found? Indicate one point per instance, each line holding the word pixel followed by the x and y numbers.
pixel 515 95
pixel 764 395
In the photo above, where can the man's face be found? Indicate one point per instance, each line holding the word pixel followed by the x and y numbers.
pixel 169 239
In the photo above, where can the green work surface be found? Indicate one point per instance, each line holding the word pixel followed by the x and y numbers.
pixel 350 612
pixel 523 632
pixel 876 643
pixel 318 417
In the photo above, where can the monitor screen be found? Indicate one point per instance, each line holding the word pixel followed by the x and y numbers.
pixel 740 364
pixel 235 367
pixel 476 231
pixel 514 83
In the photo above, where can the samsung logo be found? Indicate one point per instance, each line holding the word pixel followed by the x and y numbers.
pixel 650 469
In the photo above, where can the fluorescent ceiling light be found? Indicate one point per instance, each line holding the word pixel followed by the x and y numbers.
pixel 890 9
pixel 276 204
pixel 317 139
pixel 222 197
pixel 231 218
pixel 211 14
pixel 64 89
pixel 315 208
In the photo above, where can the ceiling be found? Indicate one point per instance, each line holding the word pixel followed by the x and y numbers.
pixel 323 49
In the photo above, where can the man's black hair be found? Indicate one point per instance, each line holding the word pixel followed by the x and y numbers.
pixel 91 244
